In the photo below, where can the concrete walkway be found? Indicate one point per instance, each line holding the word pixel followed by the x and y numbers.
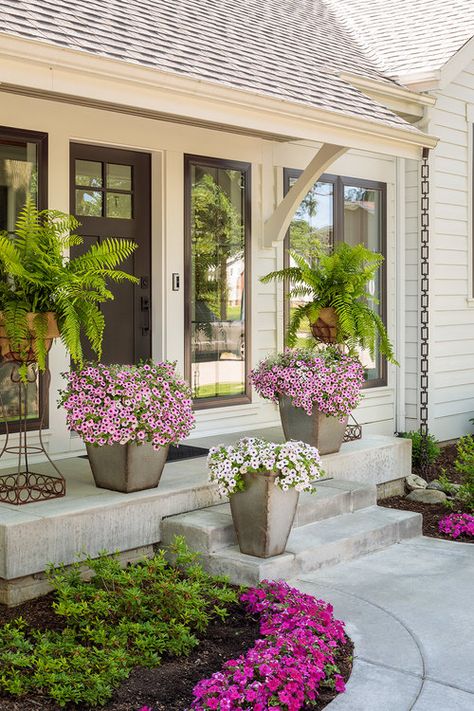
pixel 410 612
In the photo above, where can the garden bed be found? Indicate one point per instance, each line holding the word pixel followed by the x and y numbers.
pixel 167 687
pixel 433 513
pixel 304 649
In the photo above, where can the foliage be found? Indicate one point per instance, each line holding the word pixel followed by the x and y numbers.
pixel 36 276
pixel 464 464
pixel 339 280
pixel 217 238
pixel 327 379
pixel 296 463
pixel 292 662
pixel 432 448
pixel 106 404
pixel 457 524
pixel 119 619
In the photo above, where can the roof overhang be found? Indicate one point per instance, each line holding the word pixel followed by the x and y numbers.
pixel 410 105
pixel 47 71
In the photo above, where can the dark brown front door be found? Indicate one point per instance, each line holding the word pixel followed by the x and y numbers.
pixel 110 197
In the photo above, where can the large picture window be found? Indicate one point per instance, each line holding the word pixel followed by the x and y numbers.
pixel 338 209
pixel 217 226
pixel 23 172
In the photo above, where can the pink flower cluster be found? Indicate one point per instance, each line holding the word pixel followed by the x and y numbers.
pixel 457 524
pixel 108 404
pixel 288 665
pixel 327 380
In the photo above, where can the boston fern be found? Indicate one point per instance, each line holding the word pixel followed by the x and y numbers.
pixel 338 280
pixel 37 277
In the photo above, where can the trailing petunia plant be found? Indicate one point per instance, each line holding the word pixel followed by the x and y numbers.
pixel 37 277
pixel 326 379
pixel 117 404
pixel 296 464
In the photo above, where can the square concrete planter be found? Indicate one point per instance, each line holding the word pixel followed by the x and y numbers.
pixel 319 430
pixel 127 467
pixel 263 515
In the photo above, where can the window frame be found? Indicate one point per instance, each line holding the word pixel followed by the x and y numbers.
pixel 40 138
pixel 339 182
pixel 246 169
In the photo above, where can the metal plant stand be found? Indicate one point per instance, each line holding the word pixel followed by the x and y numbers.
pixel 353 431
pixel 25 486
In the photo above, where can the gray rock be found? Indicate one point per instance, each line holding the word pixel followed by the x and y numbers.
pixel 435 485
pixel 415 482
pixel 427 496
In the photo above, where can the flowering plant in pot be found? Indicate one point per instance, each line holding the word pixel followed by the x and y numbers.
pixel 128 415
pixel 316 391
pixel 264 481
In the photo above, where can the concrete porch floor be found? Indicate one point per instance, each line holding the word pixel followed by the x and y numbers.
pixel 89 520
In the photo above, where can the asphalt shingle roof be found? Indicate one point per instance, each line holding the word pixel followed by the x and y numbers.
pixel 405 37
pixel 291 50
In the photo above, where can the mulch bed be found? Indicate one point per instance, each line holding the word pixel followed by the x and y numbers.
pixel 169 686
pixel 432 513
pixel 444 462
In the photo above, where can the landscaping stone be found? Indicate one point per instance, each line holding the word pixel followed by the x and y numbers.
pixel 427 496
pixel 414 482
pixel 435 485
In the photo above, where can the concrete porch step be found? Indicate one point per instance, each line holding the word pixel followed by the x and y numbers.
pixel 317 545
pixel 210 529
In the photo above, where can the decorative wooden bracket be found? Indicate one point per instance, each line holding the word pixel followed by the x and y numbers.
pixel 278 223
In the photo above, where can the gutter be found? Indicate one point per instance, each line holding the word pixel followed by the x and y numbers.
pixel 51 63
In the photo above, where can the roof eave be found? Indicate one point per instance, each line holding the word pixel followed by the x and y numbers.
pixel 43 67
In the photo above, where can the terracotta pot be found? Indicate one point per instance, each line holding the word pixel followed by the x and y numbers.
pixel 324 432
pixel 127 467
pixel 325 328
pixel 263 515
pixel 28 354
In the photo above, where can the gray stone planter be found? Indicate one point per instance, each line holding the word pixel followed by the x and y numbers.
pixel 318 430
pixel 127 467
pixel 263 515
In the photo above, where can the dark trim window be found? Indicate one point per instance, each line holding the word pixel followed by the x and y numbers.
pixel 217 280
pixel 23 172
pixel 338 209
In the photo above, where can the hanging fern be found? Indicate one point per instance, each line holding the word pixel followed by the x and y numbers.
pixel 37 276
pixel 339 280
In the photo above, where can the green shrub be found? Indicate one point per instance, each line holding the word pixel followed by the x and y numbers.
pixel 121 618
pixel 464 464
pixel 433 450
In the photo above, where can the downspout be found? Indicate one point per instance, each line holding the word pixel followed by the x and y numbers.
pixel 424 305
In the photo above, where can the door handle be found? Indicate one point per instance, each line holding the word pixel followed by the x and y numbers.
pixel 145 309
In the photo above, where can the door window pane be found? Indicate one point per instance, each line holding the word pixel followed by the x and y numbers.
pixel 363 225
pixel 89 173
pixel 310 230
pixel 119 177
pixel 89 203
pixel 119 205
pixel 218 330
pixel 18 179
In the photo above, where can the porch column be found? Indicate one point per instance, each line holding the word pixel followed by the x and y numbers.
pixel 277 224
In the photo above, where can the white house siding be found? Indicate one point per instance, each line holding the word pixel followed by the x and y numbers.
pixel 168 142
pixel 452 306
